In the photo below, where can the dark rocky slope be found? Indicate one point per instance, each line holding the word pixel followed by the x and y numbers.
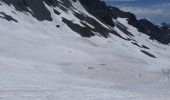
pixel 38 9
pixel 97 8
pixel 106 13
pixel 40 12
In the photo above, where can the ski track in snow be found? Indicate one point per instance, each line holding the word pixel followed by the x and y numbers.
pixel 48 63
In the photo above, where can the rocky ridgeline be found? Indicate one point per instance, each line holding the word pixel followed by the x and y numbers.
pixel 106 13
pixel 97 8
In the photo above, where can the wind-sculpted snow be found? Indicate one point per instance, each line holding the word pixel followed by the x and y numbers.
pixel 43 59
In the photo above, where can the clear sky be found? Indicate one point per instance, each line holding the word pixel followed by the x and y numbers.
pixel 157 11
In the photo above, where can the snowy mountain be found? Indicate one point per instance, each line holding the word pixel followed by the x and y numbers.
pixel 80 50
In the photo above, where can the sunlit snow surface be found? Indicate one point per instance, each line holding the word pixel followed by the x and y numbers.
pixel 41 62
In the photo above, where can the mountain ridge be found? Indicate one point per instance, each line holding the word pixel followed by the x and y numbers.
pixel 143 25
pixel 100 10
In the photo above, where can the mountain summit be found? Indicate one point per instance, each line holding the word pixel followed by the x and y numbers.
pixel 80 50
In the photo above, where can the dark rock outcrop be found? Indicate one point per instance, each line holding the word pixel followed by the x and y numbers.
pixel 148 54
pixel 7 17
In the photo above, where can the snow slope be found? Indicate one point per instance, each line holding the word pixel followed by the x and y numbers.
pixel 41 62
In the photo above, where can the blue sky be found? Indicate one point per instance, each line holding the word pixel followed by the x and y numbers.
pixel 157 11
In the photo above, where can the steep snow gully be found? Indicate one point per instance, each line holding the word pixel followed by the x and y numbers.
pixel 60 50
